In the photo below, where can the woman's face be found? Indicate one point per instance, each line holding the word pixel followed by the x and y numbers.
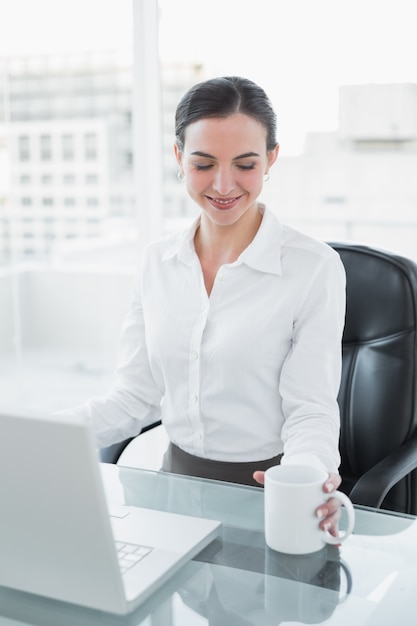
pixel 224 161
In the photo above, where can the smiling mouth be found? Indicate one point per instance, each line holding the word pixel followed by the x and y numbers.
pixel 223 203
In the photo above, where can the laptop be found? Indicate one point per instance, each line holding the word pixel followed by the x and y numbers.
pixel 58 537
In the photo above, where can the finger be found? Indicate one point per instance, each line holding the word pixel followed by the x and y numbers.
pixel 333 505
pixel 333 530
pixel 330 507
pixel 259 477
pixel 332 483
pixel 331 524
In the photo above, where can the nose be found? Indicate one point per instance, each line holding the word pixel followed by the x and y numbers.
pixel 224 181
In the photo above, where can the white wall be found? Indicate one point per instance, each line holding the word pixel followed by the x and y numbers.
pixel 61 348
pixel 66 311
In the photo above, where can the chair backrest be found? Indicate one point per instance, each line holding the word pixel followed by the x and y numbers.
pixel 379 380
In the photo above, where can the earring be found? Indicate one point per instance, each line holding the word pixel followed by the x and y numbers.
pixel 181 176
pixel 266 177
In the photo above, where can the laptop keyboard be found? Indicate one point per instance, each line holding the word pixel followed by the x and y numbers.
pixel 129 554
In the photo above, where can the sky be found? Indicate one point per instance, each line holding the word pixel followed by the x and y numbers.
pixel 300 51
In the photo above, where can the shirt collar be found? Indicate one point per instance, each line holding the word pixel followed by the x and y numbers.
pixel 262 254
pixel 183 245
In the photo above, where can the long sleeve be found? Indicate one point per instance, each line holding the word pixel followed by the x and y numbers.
pixel 310 375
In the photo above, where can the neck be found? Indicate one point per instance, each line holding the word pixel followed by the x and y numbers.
pixel 224 244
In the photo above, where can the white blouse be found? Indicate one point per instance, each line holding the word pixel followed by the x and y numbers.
pixel 242 375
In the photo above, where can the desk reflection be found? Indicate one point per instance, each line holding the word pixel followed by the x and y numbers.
pixel 243 581
pixel 298 590
pixel 246 583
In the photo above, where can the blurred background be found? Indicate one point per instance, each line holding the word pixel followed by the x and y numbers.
pixel 88 91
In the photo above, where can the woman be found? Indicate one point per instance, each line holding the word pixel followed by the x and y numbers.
pixel 233 336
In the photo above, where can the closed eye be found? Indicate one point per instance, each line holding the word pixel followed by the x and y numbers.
pixel 241 166
pixel 203 167
pixel 251 166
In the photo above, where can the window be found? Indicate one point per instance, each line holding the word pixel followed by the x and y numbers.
pixel 92 158
pixel 45 147
pixel 90 146
pixel 24 148
pixel 64 128
pixel 128 160
pixel 67 147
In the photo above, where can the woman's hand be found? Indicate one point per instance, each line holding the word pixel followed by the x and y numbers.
pixel 329 511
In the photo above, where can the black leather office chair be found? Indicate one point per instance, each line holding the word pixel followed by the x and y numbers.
pixel 112 453
pixel 378 394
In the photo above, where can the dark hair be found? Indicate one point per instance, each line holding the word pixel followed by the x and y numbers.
pixel 221 97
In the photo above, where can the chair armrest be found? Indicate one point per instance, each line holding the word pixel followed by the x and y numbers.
pixel 373 486
pixel 112 453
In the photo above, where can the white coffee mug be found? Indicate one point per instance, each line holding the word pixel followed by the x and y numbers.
pixel 292 495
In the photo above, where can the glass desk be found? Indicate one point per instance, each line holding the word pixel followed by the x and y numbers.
pixel 238 581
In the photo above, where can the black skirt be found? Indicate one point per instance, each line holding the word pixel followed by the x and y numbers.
pixel 179 462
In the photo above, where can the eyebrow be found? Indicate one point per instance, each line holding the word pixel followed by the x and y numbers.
pixel 240 156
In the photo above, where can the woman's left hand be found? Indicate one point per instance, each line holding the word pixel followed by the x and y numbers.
pixel 329 511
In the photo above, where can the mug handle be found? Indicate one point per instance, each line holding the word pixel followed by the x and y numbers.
pixel 350 511
pixel 344 568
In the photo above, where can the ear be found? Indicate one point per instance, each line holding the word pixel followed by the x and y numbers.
pixel 273 155
pixel 178 154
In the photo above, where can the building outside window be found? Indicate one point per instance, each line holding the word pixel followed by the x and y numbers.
pixel 24 148
pixel 67 147
pixel 45 147
pixel 90 147
pixel 61 138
